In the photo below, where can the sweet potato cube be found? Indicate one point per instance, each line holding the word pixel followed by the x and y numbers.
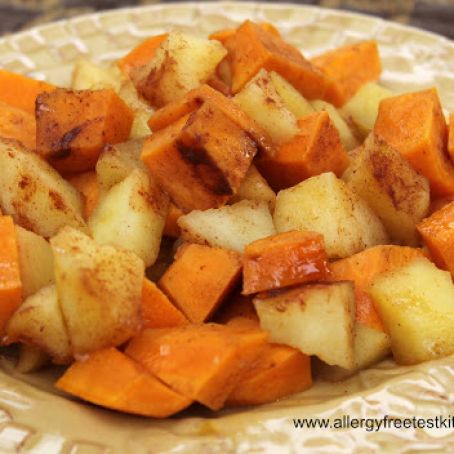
pixel 279 372
pixel 87 184
pixel 202 362
pixel 252 48
pixel 111 379
pixel 363 267
pixel 349 67
pixel 237 306
pixel 18 124
pixel 282 260
pixel 72 127
pixel 438 233
pixel 451 137
pixel 193 100
pixel 20 91
pixel 200 278
pixel 157 310
pixel 10 279
pixel 316 149
pixel 141 54
pixel 200 162
pixel 413 124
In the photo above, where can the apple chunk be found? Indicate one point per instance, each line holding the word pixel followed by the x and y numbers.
pixel 99 288
pixel 317 319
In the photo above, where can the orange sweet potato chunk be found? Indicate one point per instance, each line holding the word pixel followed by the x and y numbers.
pixel 200 278
pixel 451 137
pixel 10 279
pixel 282 260
pixel 111 379
pixel 238 306
pixel 193 100
pixel 363 267
pixel 438 233
pixel 72 127
pixel 87 184
pixel 252 48
pixel 413 124
pixel 316 149
pixel 279 372
pixel 202 362
pixel 200 161
pixel 157 310
pixel 20 91
pixel 18 124
pixel 349 67
pixel 141 54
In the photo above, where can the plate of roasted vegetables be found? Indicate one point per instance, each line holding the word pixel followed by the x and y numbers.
pixel 218 219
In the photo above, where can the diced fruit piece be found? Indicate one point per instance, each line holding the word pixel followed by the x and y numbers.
pixel 252 48
pixel 132 216
pixel 398 195
pixel 255 187
pixel 34 194
pixel 157 310
pixel 362 268
pixel 20 91
pixel 30 359
pixel 17 124
pixel 291 97
pixel 279 372
pixel 35 260
pixel 325 204
pixel 181 63
pixel 116 162
pixel 202 362
pixel 200 278
pixel 416 304
pixel 413 124
pixel 202 161
pixel 88 185
pixel 88 75
pixel 361 109
pixel 260 100
pixel 111 379
pixel 10 277
pixel 99 288
pixel 370 346
pixel 437 232
pixel 318 319
pixel 73 126
pixel 282 260
pixel 141 54
pixel 347 138
pixel 230 227
pixel 176 110
pixel 349 67
pixel 316 148
pixel 39 322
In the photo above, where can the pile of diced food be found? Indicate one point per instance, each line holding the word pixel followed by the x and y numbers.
pixel 221 220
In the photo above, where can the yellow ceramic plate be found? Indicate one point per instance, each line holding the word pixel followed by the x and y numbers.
pixel 34 419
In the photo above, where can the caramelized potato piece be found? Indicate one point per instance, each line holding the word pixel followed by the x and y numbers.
pixel 73 126
pixel 200 162
pixel 252 48
pixel 200 278
pixel 202 362
pixel 282 260
pixel 316 148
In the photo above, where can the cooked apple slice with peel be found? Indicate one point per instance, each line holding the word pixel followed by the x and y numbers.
pixel 317 319
pixel 99 288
